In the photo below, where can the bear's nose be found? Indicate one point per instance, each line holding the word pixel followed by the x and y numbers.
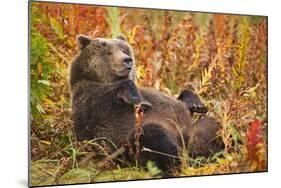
pixel 128 61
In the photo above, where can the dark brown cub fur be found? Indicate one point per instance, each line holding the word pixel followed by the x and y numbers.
pixel 103 90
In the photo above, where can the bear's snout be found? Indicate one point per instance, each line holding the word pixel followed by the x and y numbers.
pixel 128 62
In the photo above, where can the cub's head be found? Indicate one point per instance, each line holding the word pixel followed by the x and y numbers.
pixel 105 60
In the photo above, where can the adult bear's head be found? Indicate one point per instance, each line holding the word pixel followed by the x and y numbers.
pixel 103 60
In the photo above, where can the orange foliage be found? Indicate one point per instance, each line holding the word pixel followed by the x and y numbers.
pixel 223 57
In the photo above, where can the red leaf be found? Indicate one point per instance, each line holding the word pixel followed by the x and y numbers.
pixel 254 137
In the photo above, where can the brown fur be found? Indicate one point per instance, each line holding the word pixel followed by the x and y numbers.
pixel 205 138
pixel 103 98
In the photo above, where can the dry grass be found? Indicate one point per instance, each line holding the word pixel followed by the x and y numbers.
pixel 223 57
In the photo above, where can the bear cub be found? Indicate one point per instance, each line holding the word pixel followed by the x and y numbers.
pixel 104 92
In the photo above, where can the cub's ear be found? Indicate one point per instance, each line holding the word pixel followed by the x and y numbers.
pixel 122 37
pixel 83 41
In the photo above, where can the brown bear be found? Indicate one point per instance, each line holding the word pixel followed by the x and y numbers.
pixel 103 91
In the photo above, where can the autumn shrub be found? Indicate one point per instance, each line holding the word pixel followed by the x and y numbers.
pixel 222 57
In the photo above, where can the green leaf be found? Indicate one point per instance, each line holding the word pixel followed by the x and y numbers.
pixel 45 82
pixel 57 27
pixel 153 169
pixel 114 21
pixel 235 134
pixel 40 108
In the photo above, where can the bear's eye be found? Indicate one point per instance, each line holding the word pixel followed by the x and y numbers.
pixel 125 52
pixel 109 53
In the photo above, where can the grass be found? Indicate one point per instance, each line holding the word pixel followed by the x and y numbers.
pixel 223 57
pixel 43 172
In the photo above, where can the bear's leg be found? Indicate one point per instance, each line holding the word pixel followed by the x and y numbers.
pixel 192 101
pixel 158 146
pixel 129 93
pixel 204 138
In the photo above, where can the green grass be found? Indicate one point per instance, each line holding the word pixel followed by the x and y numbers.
pixel 45 173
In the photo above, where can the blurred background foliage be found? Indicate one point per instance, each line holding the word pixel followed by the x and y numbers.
pixel 222 57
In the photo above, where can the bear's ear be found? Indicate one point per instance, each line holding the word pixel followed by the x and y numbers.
pixel 122 37
pixel 83 41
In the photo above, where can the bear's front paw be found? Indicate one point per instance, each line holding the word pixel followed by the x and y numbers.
pixel 129 93
pixel 192 101
pixel 145 105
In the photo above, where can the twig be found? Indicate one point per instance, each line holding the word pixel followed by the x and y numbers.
pixel 120 151
pixel 138 130
pixel 74 161
pixel 58 53
pixel 160 153
pixel 112 156
pixel 85 160
pixel 63 168
pixel 50 173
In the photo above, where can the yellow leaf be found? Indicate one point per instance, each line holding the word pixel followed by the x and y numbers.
pixel 45 142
